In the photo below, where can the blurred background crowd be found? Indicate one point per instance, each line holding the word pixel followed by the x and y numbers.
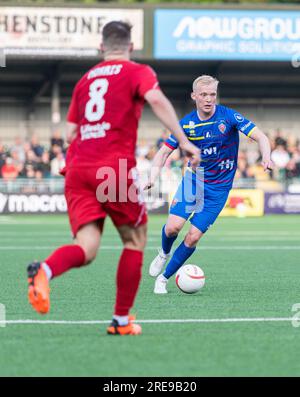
pixel 285 155
pixel 33 160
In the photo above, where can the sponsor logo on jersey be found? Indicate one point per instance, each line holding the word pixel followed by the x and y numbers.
pixel 245 126
pixel 94 131
pixel 238 117
pixel 190 127
pixel 210 151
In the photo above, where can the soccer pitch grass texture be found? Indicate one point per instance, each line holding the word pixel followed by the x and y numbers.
pixel 240 324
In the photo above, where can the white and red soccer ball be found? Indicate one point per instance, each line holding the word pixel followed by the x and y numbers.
pixel 190 279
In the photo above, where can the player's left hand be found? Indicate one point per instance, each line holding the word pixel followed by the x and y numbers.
pixel 267 164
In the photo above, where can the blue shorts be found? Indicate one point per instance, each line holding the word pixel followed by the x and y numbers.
pixel 200 202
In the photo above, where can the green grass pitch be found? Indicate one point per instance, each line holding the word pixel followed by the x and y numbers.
pixel 252 271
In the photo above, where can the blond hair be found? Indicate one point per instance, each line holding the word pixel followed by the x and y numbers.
pixel 204 80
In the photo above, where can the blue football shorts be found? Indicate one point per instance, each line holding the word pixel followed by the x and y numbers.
pixel 199 201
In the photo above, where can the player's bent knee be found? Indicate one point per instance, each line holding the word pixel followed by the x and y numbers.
pixel 137 244
pixel 90 249
pixel 89 239
pixel 90 254
pixel 134 247
pixel 134 238
pixel 192 238
pixel 172 230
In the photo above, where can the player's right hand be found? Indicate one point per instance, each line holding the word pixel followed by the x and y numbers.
pixel 192 152
pixel 267 163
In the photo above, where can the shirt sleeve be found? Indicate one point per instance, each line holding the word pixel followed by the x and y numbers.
pixel 241 124
pixel 73 114
pixel 172 142
pixel 145 80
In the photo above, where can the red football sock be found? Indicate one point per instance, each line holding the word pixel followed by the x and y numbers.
pixel 128 278
pixel 65 258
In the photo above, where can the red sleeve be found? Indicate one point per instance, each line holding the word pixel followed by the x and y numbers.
pixel 170 146
pixel 145 80
pixel 73 116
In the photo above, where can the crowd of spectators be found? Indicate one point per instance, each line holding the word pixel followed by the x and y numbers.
pixel 285 155
pixel 30 159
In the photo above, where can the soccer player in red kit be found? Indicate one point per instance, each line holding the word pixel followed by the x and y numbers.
pixel 100 172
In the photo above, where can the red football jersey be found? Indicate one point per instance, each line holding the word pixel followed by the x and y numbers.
pixel 106 104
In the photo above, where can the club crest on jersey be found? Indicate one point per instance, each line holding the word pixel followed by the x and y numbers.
pixel 174 202
pixel 222 127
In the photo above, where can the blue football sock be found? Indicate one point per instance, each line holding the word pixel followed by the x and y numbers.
pixel 166 241
pixel 181 254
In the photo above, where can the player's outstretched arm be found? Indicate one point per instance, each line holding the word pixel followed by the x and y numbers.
pixel 165 112
pixel 264 147
pixel 157 164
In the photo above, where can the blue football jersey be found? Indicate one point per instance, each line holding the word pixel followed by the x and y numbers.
pixel 218 140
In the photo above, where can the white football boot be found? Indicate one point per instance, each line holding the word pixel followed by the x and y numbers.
pixel 158 263
pixel 160 286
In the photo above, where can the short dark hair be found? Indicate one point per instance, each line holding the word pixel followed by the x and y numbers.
pixel 116 34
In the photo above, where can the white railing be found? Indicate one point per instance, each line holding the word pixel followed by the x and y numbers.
pixel 51 185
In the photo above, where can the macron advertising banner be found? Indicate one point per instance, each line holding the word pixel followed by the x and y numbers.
pixel 227 34
pixel 32 203
pixel 47 203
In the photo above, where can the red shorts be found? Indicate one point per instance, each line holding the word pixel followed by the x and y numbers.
pixel 92 193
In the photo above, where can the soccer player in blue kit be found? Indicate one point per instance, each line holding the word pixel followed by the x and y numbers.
pixel 203 192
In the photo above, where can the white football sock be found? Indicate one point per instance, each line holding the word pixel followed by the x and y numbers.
pixel 122 320
pixel 47 270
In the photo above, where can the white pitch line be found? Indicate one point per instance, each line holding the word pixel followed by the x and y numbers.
pixel 215 247
pixel 153 321
pixel 225 235
pixel 50 239
pixel 112 233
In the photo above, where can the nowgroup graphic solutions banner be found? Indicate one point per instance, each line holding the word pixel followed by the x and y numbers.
pixel 49 30
pixel 227 34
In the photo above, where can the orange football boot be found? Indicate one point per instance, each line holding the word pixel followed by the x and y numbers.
pixel 38 288
pixel 129 329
